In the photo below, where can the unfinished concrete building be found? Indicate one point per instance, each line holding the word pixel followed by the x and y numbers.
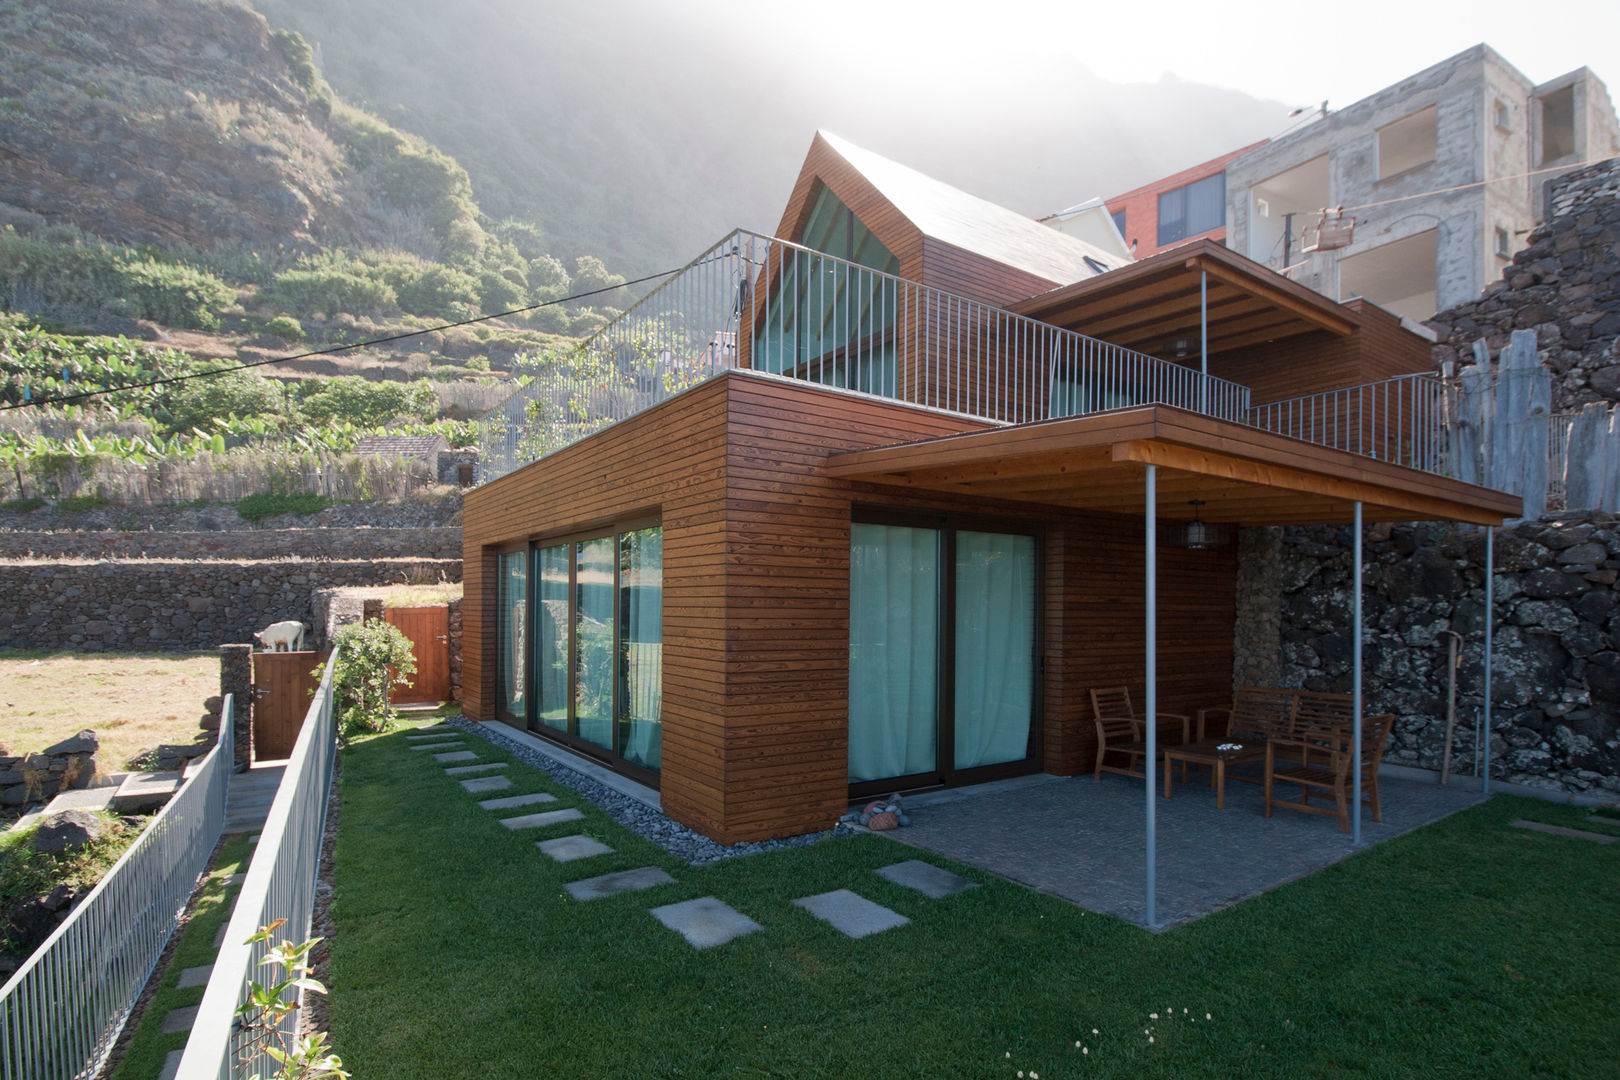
pixel 1441 172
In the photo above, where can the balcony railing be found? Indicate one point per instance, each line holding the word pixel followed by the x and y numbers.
pixel 1404 420
pixel 782 310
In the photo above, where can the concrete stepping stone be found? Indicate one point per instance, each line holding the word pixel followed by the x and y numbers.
pixel 141 792
pixel 432 731
pixel 705 922
pixel 455 756
pixel 487 783
pixel 196 976
pixel 171 1064
pixel 569 848
pixel 235 879
pixel 470 770
pixel 180 1019
pixel 439 746
pixel 219 935
pixel 1559 830
pixel 926 878
pixel 643 877
pixel 540 821
pixel 850 913
pixel 517 800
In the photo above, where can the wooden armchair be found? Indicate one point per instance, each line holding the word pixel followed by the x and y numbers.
pixel 1323 758
pixel 1120 732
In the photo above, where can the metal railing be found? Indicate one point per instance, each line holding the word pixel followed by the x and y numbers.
pixel 782 310
pixel 1558 428
pixel 280 883
pixel 1404 420
pixel 63 1010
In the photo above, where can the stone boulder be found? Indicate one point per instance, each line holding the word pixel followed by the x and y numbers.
pixel 66 830
pixel 85 742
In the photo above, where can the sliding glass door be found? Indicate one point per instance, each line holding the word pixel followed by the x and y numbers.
pixel 942 650
pixel 593 609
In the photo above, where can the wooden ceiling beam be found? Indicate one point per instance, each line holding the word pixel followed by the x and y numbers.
pixel 1332 323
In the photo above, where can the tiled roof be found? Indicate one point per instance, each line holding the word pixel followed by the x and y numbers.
pixel 421 446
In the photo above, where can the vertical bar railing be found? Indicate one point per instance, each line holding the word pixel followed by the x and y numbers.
pixel 805 315
pixel 62 1011
pixel 1401 420
pixel 280 884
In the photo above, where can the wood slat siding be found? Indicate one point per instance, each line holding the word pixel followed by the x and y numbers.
pixel 756 591
pixel 1380 348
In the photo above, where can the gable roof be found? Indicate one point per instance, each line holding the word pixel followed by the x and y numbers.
pixel 952 216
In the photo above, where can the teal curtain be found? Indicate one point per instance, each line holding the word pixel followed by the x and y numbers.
pixel 552 636
pixel 641 652
pixel 511 631
pixel 894 598
pixel 995 647
pixel 594 640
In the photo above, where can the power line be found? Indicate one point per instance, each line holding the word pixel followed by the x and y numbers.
pixel 1446 190
pixel 331 350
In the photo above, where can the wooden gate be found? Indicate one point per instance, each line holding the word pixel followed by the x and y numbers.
pixel 283 687
pixel 429 631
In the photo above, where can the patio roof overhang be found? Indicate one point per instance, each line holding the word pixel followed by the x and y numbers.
pixel 1243 475
pixel 1151 303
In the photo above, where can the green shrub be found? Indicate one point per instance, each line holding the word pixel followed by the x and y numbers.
pixel 436 291
pixel 327 291
pixel 351 399
pixel 75 504
pixel 196 403
pixel 415 177
pixel 84 277
pixel 255 508
pixel 285 327
pixel 22 506
pixel 365 651
pixel 300 58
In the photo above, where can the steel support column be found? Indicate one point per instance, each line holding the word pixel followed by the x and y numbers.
pixel 1203 341
pixel 1152 549
pixel 1490 618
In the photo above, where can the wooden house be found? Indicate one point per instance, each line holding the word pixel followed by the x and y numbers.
pixel 866 506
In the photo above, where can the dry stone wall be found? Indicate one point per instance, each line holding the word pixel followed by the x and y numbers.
pixel 1556 692
pixel 334 543
pixel 161 605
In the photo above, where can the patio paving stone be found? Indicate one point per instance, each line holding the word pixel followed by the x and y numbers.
pixel 470 770
pixel 851 914
pixel 438 745
pixel 455 755
pixel 569 848
pixel 705 922
pixel 643 877
pixel 926 878
pixel 517 800
pixel 179 1019
pixel 196 976
pixel 541 820
pixel 487 783
pixel 1559 830
pixel 1083 839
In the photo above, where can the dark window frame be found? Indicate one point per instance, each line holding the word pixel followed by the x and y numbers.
pixel 1179 199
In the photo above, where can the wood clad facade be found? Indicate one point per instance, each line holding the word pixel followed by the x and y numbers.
pixel 756 591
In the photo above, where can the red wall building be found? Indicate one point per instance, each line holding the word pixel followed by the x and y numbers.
pixel 1188 205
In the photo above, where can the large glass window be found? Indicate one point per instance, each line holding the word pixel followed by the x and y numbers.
pixel 552 636
pixel 831 320
pixel 1192 209
pixel 641 647
pixel 893 651
pixel 933 609
pixel 594 641
pixel 511 631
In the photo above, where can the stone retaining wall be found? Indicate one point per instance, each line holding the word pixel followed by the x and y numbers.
pixel 162 605
pixel 1556 691
pixel 333 543
pixel 422 511
pixel 31 778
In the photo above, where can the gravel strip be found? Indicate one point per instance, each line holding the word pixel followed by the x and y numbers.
pixel 640 819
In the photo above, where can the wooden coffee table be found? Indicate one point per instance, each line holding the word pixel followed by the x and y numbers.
pixel 1208 752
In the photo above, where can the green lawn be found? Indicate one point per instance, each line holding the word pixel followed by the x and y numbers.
pixel 1466 949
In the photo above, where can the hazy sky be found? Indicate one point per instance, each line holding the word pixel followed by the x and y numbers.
pixel 1290 52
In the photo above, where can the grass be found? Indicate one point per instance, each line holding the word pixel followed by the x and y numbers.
pixel 143 1059
pixel 255 508
pixel 26 873
pixel 1464 949
pixel 131 700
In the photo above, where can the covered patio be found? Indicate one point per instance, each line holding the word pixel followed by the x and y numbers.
pixel 1084 838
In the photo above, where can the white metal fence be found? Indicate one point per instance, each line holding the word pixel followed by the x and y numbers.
pixel 1401 420
pixel 64 1008
pixel 783 310
pixel 280 884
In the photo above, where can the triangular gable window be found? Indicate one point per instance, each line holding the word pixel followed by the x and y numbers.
pixel 831 320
